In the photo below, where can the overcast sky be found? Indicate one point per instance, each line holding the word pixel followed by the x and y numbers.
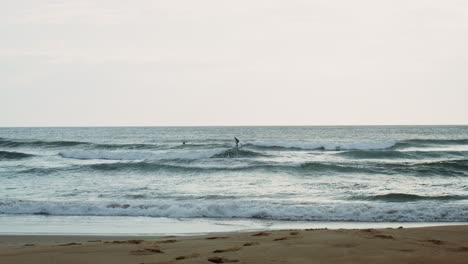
pixel 243 62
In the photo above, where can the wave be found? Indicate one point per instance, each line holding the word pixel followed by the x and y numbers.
pixel 403 197
pixel 445 168
pixel 140 167
pixel 378 145
pixel 458 167
pixel 150 167
pixel 461 164
pixel 131 146
pixel 181 166
pixel 14 143
pixel 334 167
pixel 395 154
pixel 179 154
pixel 156 166
pixel 239 153
pixel 255 144
pixel 9 143
pixel 252 166
pixel 442 168
pixel 427 211
pixel 48 170
pixel 279 145
pixel 138 155
pixel 190 166
pixel 200 145
pixel 381 154
pixel 429 142
pixel 438 141
pixel 9 155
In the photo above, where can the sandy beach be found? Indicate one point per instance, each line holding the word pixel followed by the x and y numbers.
pixel 251 131
pixel 446 244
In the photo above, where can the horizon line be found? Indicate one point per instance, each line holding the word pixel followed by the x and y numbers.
pixel 148 126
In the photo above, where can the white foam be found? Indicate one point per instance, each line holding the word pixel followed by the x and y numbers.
pixel 138 155
pixel 361 212
pixel 327 146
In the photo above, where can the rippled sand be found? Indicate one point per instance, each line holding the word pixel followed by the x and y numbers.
pixel 447 244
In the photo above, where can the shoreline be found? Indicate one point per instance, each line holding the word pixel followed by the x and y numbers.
pixel 435 244
pixel 160 226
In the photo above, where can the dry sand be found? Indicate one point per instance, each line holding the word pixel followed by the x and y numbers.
pixel 447 244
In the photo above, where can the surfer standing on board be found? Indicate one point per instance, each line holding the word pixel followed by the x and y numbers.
pixel 237 142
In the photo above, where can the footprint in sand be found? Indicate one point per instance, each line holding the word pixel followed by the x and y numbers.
pixel 460 249
pixel 434 241
pixel 216 237
pixel 70 244
pixel 248 244
pixel 221 260
pixel 227 250
pixel 146 251
pixel 280 238
pixel 167 241
pixel 370 230
pixel 376 234
pixel 194 255
pixel 261 234
pixel 133 241
pixel 405 250
pixel 384 236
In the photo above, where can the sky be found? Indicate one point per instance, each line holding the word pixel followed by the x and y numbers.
pixel 243 62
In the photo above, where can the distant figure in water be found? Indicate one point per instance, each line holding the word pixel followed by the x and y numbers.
pixel 237 142
pixel 183 142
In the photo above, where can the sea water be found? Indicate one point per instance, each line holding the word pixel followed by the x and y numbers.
pixel 146 180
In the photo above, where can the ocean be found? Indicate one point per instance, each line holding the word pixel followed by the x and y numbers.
pixel 146 180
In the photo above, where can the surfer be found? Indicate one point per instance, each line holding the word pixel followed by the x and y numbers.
pixel 237 142
pixel 183 142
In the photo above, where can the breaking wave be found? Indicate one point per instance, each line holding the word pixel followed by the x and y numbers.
pixel 443 168
pixel 259 144
pixel 278 145
pixel 138 155
pixel 239 153
pixel 426 211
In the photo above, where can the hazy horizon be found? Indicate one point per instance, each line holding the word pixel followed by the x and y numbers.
pixel 238 126
pixel 244 63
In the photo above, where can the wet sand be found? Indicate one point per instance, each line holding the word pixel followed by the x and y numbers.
pixel 443 244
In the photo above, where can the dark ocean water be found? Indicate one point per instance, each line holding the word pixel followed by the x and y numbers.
pixel 381 174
